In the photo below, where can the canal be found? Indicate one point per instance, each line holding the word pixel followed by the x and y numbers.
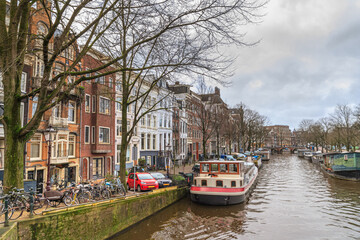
pixel 293 199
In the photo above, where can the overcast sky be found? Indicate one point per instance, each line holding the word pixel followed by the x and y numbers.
pixel 307 62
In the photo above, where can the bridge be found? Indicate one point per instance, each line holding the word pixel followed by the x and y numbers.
pixel 280 150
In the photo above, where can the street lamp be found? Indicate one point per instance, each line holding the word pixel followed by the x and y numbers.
pixel 47 135
pixel 168 147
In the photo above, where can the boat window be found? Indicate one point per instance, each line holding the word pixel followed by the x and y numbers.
pixel 223 168
pixel 241 183
pixel 195 182
pixel 203 183
pixel 233 184
pixel 214 167
pixel 205 168
pixel 233 168
pixel 219 183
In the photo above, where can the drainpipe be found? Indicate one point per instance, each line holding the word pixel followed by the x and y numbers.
pixel 80 158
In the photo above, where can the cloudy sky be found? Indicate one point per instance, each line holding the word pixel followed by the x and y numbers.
pixel 307 62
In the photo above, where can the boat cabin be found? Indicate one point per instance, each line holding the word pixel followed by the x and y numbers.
pixel 227 174
pixel 342 161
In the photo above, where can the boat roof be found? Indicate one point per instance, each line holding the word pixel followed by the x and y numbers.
pixel 220 161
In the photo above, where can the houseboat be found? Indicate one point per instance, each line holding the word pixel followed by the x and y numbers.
pixel 308 155
pixel 342 165
pixel 301 152
pixel 264 154
pixel 257 161
pixel 317 159
pixel 223 182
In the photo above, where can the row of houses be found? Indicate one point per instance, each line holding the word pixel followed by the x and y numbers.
pixel 85 130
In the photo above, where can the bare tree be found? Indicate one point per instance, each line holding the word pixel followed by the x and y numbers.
pixel 63 25
pixel 343 121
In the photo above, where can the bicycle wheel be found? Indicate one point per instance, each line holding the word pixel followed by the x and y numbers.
pixel 84 197
pixel 17 209
pixel 106 194
pixel 38 205
pixel 122 190
pixel 67 200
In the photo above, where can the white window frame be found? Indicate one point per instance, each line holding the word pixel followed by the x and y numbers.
pixel 72 142
pixel 102 141
pixel 109 105
pixel 23 82
pixel 74 109
pixel 89 106
pixel 111 82
pixel 40 147
pixel 87 127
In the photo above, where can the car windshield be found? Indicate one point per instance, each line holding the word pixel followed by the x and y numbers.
pixel 145 177
pixel 158 175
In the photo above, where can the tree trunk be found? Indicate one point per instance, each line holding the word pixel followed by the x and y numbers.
pixel 204 148
pixel 14 161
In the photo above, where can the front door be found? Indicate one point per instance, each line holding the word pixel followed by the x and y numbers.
pixel 71 174
pixel 39 179
pixel 98 168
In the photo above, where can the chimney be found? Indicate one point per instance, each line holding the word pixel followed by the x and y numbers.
pixel 217 91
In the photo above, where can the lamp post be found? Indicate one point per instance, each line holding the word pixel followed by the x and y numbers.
pixel 168 147
pixel 47 135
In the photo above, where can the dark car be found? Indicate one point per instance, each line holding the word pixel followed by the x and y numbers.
pixel 162 180
pixel 196 168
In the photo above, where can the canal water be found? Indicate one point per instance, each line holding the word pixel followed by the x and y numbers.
pixel 293 199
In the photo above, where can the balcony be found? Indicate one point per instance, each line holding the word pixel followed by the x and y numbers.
pixel 59 160
pixel 58 122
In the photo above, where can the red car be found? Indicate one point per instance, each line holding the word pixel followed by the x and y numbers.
pixel 143 181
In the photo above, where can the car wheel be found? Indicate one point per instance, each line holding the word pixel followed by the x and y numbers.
pixel 139 188
pixel 128 186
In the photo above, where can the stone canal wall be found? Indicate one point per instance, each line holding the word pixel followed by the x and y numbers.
pixel 98 220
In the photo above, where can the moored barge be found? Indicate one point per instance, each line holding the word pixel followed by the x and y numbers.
pixel 342 165
pixel 223 182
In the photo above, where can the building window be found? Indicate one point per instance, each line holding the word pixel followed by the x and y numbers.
pixel 56 111
pixel 94 104
pixel 62 146
pixel 154 121
pixel 110 83
pixel 154 142
pixel 118 127
pixel 87 134
pixel 149 120
pixel 148 141
pixel 35 143
pixel 71 112
pixel 87 103
pixel 142 141
pixel 72 145
pixel 93 135
pixel 118 86
pixel 104 105
pixel 97 168
pixel 118 104
pixel 34 105
pixel 104 135
pixel 23 82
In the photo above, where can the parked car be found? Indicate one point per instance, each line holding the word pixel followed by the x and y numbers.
pixel 162 180
pixel 227 158
pixel 196 168
pixel 143 181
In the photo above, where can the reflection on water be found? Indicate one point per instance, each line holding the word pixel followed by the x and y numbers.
pixel 293 199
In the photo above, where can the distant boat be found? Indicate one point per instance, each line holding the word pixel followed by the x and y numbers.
pixel 264 154
pixel 317 158
pixel 308 155
pixel 301 152
pixel 342 165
